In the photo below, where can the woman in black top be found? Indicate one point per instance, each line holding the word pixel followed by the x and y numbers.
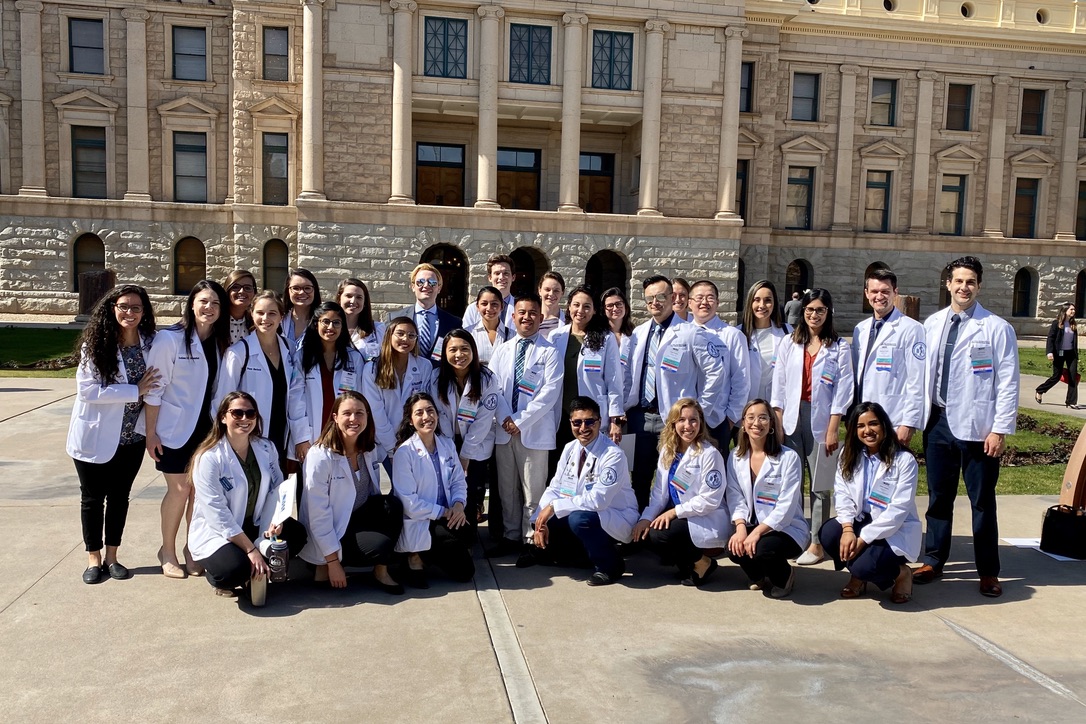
pixel 1062 349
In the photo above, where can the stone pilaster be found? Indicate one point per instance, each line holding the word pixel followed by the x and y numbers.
pixel 918 217
pixel 32 98
pixel 486 196
pixel 652 98
pixel 1068 193
pixel 846 137
pixel 997 149
pixel 729 122
pixel 139 166
pixel 312 100
pixel 402 69
pixel 572 73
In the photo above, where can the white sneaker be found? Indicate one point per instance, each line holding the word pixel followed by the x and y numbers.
pixel 787 590
pixel 809 559
pixel 762 585
pixel 258 590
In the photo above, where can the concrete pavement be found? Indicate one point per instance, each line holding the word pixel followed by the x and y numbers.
pixel 537 642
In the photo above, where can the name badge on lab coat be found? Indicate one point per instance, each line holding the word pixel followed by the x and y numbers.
pixel 435 353
pixel 465 412
pixel 593 362
pixel 884 358
pixel 829 372
pixel 347 383
pixel 768 491
pixel 671 359
pixel 980 358
pixel 529 383
pixel 880 495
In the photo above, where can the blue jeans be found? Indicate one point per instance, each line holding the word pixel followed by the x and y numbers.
pixel 878 563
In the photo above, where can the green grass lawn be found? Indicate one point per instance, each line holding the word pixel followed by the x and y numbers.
pixel 21 346
pixel 1033 361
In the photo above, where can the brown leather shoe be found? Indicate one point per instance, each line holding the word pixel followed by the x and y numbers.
pixel 990 587
pixel 926 574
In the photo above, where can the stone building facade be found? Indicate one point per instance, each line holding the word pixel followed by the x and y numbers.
pixel 795 140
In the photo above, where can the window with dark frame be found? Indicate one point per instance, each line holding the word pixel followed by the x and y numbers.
pixel 190 167
pixel 518 178
pixel 877 202
pixel 742 168
pixel 746 87
pixel 88 162
pixel 883 102
pixel 1025 208
pixel 612 60
pixel 189 53
pixel 797 214
pixel 952 205
pixel 596 190
pixel 276 54
pixel 275 172
pixel 1033 112
pixel 439 174
pixel 446 49
pixel 1080 216
pixel 959 107
pixel 1022 294
pixel 530 54
pixel 86 46
pixel 805 96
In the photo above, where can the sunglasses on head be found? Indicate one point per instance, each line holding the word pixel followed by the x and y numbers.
pixel 248 413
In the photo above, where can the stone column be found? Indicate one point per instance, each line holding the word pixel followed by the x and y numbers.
pixel 1068 194
pixel 918 219
pixel 32 100
pixel 486 195
pixel 650 118
pixel 139 165
pixel 312 100
pixel 729 123
pixel 402 69
pixel 570 171
pixel 997 149
pixel 846 136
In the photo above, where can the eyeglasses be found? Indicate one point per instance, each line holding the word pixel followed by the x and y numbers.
pixel 815 311
pixel 333 323
pixel 423 283
pixel 248 288
pixel 248 413
pixel 660 298
pixel 307 289
pixel 409 336
pixel 129 308
pixel 756 418
pixel 614 305
pixel 703 298
pixel 584 422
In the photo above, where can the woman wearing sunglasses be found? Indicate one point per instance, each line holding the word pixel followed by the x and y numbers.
pixel 240 286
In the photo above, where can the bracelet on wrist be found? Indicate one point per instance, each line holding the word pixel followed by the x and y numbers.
pixel 250 550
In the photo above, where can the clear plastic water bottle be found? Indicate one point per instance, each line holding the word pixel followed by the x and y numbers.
pixel 278 557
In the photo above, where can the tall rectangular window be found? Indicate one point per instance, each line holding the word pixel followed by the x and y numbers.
pixel 597 183
pixel 189 53
pixel 86 46
pixel 88 162
pixel 883 102
pixel 612 60
pixel 275 177
pixel 877 202
pixel 805 96
pixel 952 205
pixel 746 87
pixel 959 107
pixel 797 210
pixel 1033 112
pixel 518 178
pixel 439 174
pixel 190 167
pixel 530 54
pixel 742 169
pixel 1080 216
pixel 1025 208
pixel 276 54
pixel 446 48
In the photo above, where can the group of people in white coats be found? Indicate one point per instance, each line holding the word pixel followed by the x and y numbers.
pixel 589 433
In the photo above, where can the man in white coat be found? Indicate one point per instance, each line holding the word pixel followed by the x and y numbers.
pixel 971 393
pixel 500 271
pixel 589 506
pixel 889 357
pixel 530 378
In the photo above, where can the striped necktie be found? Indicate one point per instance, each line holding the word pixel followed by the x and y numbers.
pixel 649 390
pixel 948 352
pixel 518 370
pixel 426 337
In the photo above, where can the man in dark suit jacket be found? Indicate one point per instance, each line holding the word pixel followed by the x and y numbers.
pixel 433 323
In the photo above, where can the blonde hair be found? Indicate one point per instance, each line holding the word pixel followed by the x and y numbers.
pixel 669 439
pixel 385 367
pixel 426 267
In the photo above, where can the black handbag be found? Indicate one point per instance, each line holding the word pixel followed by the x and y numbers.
pixel 1064 532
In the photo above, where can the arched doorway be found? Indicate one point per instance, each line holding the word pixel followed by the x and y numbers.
pixel 740 287
pixel 798 278
pixel 453 266
pixel 1024 296
pixel 531 264
pixel 1080 292
pixel 88 254
pixel 189 264
pixel 276 264
pixel 870 268
pixel 607 269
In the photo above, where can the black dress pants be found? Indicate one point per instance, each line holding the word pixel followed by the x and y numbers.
pixel 229 567
pixel 103 494
pixel 372 532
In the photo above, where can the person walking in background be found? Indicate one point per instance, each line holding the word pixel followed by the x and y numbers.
pixel 1062 350
pixel 793 310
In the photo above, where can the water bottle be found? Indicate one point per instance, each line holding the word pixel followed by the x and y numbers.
pixel 278 556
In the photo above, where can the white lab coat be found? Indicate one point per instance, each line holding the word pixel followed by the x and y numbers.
pixel 893 372
pixel 702 501
pixel 474 421
pixel 370 345
pixel 222 492
pixel 387 405
pixel 755 364
pixel 981 401
pixel 348 377
pixel 543 371
pixel 256 379
pixel 180 388
pixel 731 350
pixel 831 384
pixel 684 368
pixel 599 376
pixel 776 497
pixel 328 500
pixel 893 504
pixel 94 431
pixel 603 487
pixel 416 487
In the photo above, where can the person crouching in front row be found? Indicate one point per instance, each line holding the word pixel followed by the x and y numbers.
pixel 589 505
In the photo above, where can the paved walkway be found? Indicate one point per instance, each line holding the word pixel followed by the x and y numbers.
pixel 517 645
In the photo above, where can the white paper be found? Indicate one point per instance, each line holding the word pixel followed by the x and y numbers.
pixel 1035 544
pixel 824 471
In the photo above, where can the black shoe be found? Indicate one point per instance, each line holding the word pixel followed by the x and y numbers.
pixel 117 572
pixel 599 578
pixel 94 574
pixel 414 579
pixel 695 580
pixel 393 589
pixel 527 558
pixel 503 548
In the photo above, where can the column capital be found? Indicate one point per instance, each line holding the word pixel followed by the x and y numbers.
pixel 29 6
pixel 135 15
pixel 490 11
pixel 850 70
pixel 1076 85
pixel 733 31
pixel 1001 80
pixel 657 26
pixel 575 19
pixel 403 6
pixel 312 2
pixel 927 75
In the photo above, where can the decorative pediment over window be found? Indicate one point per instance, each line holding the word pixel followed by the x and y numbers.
pixel 1033 159
pixel 805 145
pixel 83 105
pixel 883 150
pixel 274 106
pixel 749 139
pixel 959 154
pixel 187 107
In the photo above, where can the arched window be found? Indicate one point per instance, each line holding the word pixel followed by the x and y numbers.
pixel 276 264
pixel 1024 297
pixel 189 264
pixel 944 293
pixel 88 254
pixel 870 268
pixel 531 264
pixel 740 288
pixel 607 269
pixel 798 278
pixel 453 266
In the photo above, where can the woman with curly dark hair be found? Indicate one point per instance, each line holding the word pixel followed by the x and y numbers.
pixel 111 381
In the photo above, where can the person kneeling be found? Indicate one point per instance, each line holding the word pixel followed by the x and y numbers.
pixel 350 523
pixel 589 505
pixel 686 514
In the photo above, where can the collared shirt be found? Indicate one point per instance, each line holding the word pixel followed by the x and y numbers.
pixel 871 465
pixel 965 315
pixel 485 347
pixel 654 328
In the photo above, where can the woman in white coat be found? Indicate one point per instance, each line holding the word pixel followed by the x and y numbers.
pixel 234 471
pixel 240 286
pixel 349 522
pixel 489 332
pixel 365 334
pixel 687 514
pixel 877 529
pixel 330 365
pixel 765 494
pixel 395 375
pixel 430 483
pixel 261 365
pixel 301 296
pixel 111 382
pixel 178 412
pixel 764 327
pixel 812 390
pixel 616 308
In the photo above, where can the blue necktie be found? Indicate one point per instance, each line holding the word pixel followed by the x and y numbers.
pixel 948 351
pixel 871 337
pixel 518 371
pixel 426 337
pixel 648 395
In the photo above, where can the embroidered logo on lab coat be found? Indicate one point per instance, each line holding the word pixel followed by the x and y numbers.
pixel 920 351
pixel 713 479
pixel 609 477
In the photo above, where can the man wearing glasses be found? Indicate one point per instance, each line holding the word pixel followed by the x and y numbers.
pixel 433 323
pixel 500 269
pixel 670 359
pixel 589 505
